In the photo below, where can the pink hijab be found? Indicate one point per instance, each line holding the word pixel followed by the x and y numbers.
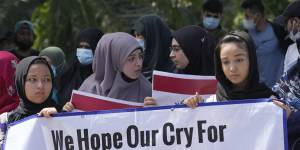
pixel 9 99
pixel 110 56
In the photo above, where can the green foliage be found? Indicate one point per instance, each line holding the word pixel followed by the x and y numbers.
pixel 57 22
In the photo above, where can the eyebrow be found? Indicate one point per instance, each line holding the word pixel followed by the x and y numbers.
pixel 240 54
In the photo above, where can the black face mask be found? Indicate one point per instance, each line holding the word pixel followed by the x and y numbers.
pixel 24 44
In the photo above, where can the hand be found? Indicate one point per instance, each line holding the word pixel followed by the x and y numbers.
pixel 283 106
pixel 47 112
pixel 193 101
pixel 149 101
pixel 68 107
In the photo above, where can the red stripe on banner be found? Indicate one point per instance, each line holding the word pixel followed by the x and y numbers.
pixel 87 103
pixel 184 86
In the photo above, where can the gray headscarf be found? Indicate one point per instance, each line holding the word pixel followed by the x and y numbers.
pixel 110 56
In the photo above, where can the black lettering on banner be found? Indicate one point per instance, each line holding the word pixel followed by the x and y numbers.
pixel 69 143
pixel 57 138
pixel 154 133
pixel 117 140
pixel 212 134
pixel 189 136
pixel 201 130
pixel 95 142
pixel 145 138
pixel 106 141
pixel 134 129
pixel 221 130
pixel 178 130
pixel 83 139
pixel 165 133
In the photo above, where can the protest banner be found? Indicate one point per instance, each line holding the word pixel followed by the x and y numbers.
pixel 234 125
pixel 91 102
pixel 170 88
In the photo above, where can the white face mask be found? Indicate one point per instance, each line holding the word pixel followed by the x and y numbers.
pixel 248 24
pixel 141 42
pixel 295 36
pixel 211 22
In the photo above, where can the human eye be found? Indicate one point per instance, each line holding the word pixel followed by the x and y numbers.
pixel 225 62
pixel 130 59
pixel 239 60
pixel 31 80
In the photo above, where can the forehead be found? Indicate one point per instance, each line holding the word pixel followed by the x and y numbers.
pixel 174 42
pixel 38 69
pixel 232 49
pixel 210 13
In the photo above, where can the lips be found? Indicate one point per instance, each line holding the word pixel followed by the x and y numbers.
pixel 40 93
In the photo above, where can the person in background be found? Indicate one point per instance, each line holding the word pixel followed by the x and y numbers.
pixel 117 70
pixel 56 57
pixel 9 99
pixel 291 19
pixel 6 40
pixel 24 38
pixel 270 55
pixel 81 66
pixel 212 12
pixel 192 51
pixel 154 37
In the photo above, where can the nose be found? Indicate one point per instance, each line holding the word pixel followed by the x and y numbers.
pixel 40 84
pixel 140 61
pixel 232 67
pixel 172 54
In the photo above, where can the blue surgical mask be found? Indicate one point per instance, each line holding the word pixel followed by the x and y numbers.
pixel 249 24
pixel 211 22
pixel 141 42
pixel 53 70
pixel 85 56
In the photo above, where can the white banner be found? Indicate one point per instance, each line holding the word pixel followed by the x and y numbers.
pixel 236 125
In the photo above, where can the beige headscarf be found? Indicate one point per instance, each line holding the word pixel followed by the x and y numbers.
pixel 110 56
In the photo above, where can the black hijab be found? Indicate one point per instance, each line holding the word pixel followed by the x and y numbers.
pixel 198 47
pixel 253 89
pixel 27 108
pixel 75 72
pixel 157 36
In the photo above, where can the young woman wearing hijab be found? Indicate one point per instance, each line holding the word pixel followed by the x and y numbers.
pixel 236 70
pixel 34 82
pixel 9 99
pixel 56 57
pixel 155 37
pixel 81 65
pixel 117 70
pixel 193 51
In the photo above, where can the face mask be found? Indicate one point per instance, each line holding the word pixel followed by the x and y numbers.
pixel 248 24
pixel 85 56
pixel 141 42
pixel 210 22
pixel 53 70
pixel 293 36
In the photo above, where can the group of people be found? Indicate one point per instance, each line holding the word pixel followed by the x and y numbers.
pixel 260 62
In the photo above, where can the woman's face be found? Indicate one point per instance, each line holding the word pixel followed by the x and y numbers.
pixel 38 83
pixel 177 55
pixel 133 64
pixel 235 63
